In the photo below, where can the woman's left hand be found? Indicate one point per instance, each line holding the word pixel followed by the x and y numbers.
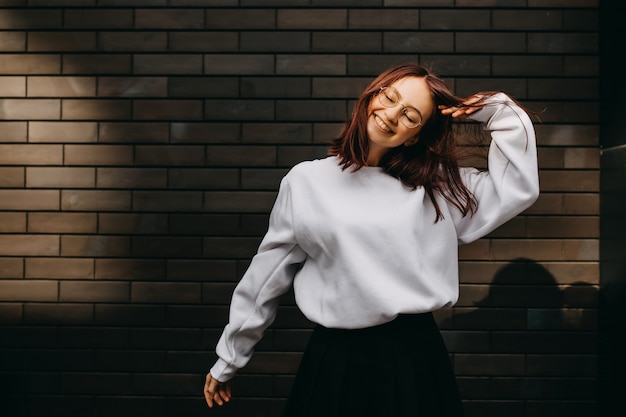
pixel 461 112
pixel 216 392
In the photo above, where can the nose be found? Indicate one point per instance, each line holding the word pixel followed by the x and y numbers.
pixel 393 113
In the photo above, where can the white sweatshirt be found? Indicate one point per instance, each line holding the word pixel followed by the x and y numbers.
pixel 360 247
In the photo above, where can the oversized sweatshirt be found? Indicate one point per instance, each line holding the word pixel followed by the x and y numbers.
pixel 360 248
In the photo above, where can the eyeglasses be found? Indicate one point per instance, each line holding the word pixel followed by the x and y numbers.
pixel 390 97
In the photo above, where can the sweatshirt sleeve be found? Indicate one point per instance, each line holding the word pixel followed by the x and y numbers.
pixel 256 297
pixel 511 183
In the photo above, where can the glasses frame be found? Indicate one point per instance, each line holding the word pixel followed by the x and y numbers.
pixel 404 119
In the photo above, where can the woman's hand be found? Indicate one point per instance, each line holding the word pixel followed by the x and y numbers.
pixel 461 112
pixel 215 391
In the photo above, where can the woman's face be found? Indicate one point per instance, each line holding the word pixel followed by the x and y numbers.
pixel 388 125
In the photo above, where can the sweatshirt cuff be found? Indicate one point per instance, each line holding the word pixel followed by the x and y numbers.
pixel 223 371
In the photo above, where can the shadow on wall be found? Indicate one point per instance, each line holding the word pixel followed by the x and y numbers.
pixel 529 340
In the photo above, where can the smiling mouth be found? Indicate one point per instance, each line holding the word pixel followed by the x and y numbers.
pixel 382 124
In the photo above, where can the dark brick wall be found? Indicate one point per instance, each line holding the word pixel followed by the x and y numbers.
pixel 141 146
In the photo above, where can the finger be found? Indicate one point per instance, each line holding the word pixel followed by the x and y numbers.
pixel 210 388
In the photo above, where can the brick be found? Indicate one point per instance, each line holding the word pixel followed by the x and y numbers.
pixel 12 41
pixel 384 19
pixel 581 249
pixel 97 64
pixel 338 87
pixel 168 155
pixel 98 155
pixel 239 64
pixel 570 180
pixel 311 19
pixel 242 201
pixel 262 87
pixel 144 41
pixel 164 64
pixel 419 42
pixel 490 42
pixel 563 43
pixel 203 42
pixel 562 365
pixel 298 110
pixel 95 246
pixel 120 178
pixel 278 41
pixel 30 19
pixel 311 64
pixel 11 313
pixel 347 42
pixel 585 89
pixel 58 314
pixel 116 314
pixel 582 19
pixel 25 109
pixel 52 222
pixel 581 66
pixel 450 19
pixel 135 2
pixel 132 86
pixel 492 365
pixel 30 64
pixel 288 156
pixel 211 132
pixel 29 290
pixel 58 268
pixel 203 87
pixel 204 224
pixel 130 269
pixel 170 293
pixel 563 135
pixel 12 177
pixel 168 247
pixel 95 200
pixel 98 18
pixel 527 66
pixel 167 110
pixel 102 109
pixel 11 268
pixel 203 178
pixel 129 132
pixel 13 131
pixel 13 86
pixel 240 18
pixel 94 291
pixel 168 19
pixel 61 41
pixel 531 20
pixel 29 200
pixel 237 155
pixel 277 133
pixel 29 245
pixel 39 86
pixel 231 109
pixel 12 222
pixel 123 223
pixel 197 269
pixel 230 248
pixel 62 132
pixel 167 200
pixel 261 179
pixel 564 227
pixel 47 177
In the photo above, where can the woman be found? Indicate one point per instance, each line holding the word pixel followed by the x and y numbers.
pixel 369 236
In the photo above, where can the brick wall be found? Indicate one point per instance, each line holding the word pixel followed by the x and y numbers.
pixel 141 146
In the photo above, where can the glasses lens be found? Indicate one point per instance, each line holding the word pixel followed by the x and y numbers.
pixel 388 97
pixel 411 118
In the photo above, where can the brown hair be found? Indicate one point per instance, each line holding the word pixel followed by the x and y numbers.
pixel 432 163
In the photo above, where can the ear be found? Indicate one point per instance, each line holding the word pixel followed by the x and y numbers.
pixel 412 141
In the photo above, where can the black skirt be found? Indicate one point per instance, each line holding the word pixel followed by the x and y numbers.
pixel 397 369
